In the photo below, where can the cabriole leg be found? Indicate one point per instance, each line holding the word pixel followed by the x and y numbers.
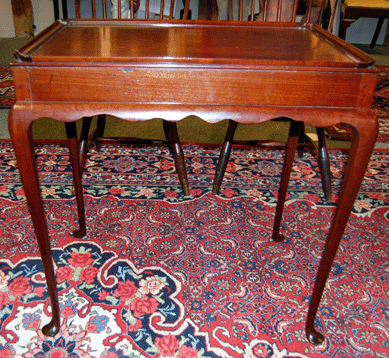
pixel 21 136
pixel 364 136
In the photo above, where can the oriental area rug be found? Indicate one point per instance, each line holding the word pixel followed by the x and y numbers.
pixel 163 275
pixel 7 90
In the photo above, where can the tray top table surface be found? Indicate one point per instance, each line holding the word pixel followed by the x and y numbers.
pixel 191 43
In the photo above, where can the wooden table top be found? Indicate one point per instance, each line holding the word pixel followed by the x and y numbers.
pixel 377 4
pixel 190 43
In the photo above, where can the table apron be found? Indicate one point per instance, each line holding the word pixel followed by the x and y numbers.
pixel 357 12
pixel 197 86
pixel 69 112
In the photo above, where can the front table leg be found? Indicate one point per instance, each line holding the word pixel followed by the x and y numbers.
pixel 362 145
pixel 364 136
pixel 20 131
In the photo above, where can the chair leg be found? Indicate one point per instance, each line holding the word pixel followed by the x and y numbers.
pixel 377 31
pixel 224 156
pixel 303 139
pixel 71 133
pixel 324 163
pixel 100 130
pixel 171 134
pixel 291 147
pixel 166 129
pixel 84 141
pixel 321 154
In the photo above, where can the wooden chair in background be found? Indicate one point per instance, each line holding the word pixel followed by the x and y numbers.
pixel 87 140
pixel 280 11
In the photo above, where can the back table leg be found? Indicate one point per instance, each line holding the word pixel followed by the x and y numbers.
pixel 290 151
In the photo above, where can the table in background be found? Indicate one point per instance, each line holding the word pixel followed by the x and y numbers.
pixel 354 9
pixel 249 72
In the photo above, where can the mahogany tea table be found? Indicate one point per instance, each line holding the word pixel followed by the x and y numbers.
pixel 248 72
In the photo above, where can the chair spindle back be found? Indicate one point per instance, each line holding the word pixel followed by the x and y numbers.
pixel 133 7
pixel 278 10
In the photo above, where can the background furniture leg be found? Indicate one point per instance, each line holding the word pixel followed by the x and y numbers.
pixel 324 163
pixel 171 133
pixel 71 133
pixel 56 9
pixel 321 154
pixel 377 31
pixel 99 133
pixel 225 153
pixel 84 141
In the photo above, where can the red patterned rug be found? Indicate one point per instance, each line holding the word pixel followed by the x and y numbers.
pixel 7 92
pixel 162 275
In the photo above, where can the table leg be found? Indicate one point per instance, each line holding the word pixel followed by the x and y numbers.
pixel 21 135
pixel 290 151
pixel 364 136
